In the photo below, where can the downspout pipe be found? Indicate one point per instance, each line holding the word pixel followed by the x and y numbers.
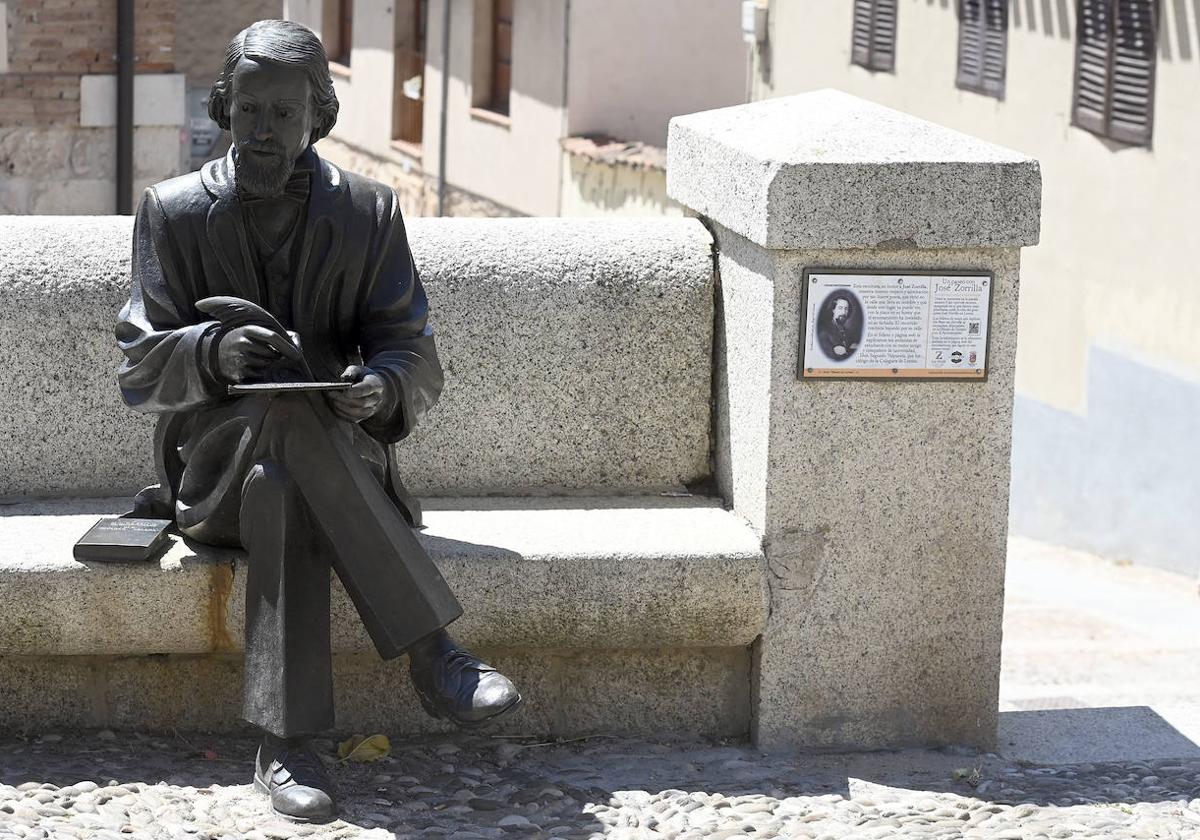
pixel 445 108
pixel 124 107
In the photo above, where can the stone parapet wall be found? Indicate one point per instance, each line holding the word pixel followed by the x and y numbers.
pixel 577 357
pixel 56 170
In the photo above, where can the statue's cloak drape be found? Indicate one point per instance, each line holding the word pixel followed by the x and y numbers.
pixel 357 299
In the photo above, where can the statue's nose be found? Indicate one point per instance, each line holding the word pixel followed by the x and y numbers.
pixel 262 126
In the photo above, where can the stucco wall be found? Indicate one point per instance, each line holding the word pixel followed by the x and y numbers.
pixel 516 164
pixel 1113 277
pixel 634 64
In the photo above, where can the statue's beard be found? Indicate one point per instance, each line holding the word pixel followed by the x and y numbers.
pixel 263 177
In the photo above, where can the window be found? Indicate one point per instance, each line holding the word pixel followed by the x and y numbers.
pixel 1114 69
pixel 874 38
pixel 408 90
pixel 982 45
pixel 337 30
pixel 491 72
pixel 502 22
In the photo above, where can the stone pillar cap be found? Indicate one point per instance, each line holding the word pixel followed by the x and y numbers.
pixel 830 170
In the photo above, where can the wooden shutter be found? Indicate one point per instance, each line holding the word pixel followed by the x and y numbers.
pixel 873 36
pixel 1131 99
pixel 345 32
pixel 860 49
pixel 982 45
pixel 409 63
pixel 883 36
pixel 1114 69
pixel 502 25
pixel 1092 51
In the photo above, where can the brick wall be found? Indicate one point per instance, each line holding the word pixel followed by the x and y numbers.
pixel 51 43
pixel 205 28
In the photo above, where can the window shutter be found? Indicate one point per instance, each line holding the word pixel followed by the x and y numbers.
pixel 883 32
pixel 860 49
pixel 1091 64
pixel 1114 69
pixel 982 45
pixel 873 40
pixel 995 47
pixel 1131 109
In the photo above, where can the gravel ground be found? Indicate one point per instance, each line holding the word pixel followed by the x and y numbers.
pixel 129 786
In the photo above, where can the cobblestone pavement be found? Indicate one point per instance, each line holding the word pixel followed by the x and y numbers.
pixel 119 786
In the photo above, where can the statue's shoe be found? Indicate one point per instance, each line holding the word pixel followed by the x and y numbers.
pixel 297 782
pixel 452 683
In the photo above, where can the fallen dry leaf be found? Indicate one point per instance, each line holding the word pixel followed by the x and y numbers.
pixel 370 748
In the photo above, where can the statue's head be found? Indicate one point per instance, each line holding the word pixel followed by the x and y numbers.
pixel 276 97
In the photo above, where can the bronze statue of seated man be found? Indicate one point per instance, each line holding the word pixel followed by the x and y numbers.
pixel 273 266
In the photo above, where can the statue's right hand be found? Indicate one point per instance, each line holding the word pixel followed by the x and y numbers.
pixel 245 352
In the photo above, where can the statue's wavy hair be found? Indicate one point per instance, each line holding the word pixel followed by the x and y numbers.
pixel 280 42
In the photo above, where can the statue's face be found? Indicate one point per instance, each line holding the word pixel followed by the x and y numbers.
pixel 271 120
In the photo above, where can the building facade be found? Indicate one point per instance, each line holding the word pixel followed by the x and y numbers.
pixel 524 78
pixel 1103 93
pixel 58 65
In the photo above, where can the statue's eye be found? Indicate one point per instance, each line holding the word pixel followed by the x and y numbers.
pixel 247 107
pixel 284 113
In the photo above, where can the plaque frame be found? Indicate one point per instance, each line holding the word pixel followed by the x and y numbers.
pixel 806 283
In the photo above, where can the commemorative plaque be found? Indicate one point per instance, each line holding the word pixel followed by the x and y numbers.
pixel 861 324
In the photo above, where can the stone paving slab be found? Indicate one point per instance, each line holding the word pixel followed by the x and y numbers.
pixel 112 786
pixel 1090 635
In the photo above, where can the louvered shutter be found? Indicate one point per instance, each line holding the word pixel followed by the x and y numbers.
pixel 1131 100
pixel 970 43
pixel 1114 69
pixel 873 40
pixel 883 36
pixel 982 45
pixel 860 47
pixel 1091 64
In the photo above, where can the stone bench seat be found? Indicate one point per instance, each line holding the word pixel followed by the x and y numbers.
pixel 552 573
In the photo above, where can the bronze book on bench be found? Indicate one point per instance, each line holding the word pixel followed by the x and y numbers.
pixel 120 538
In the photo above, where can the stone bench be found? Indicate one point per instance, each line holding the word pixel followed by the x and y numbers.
pixel 578 362
pixel 657 579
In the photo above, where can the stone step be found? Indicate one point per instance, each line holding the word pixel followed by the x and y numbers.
pixel 532 573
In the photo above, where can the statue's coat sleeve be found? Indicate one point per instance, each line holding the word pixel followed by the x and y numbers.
pixel 393 332
pixel 164 338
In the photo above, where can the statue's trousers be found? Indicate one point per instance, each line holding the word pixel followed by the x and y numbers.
pixel 310 502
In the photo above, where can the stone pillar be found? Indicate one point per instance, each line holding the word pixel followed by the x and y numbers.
pixel 883 505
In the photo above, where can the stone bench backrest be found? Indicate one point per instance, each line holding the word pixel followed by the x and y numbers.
pixel 577 357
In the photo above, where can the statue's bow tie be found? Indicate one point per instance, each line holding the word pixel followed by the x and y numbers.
pixel 296 189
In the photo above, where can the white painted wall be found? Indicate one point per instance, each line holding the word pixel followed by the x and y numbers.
pixel 513 162
pixel 634 64
pixel 1115 267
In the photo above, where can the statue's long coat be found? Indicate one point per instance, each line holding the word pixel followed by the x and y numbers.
pixel 356 298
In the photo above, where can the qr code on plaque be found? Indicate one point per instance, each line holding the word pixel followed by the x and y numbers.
pixel 972 328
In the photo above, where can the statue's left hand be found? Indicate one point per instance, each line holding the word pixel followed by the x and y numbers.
pixel 362 399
